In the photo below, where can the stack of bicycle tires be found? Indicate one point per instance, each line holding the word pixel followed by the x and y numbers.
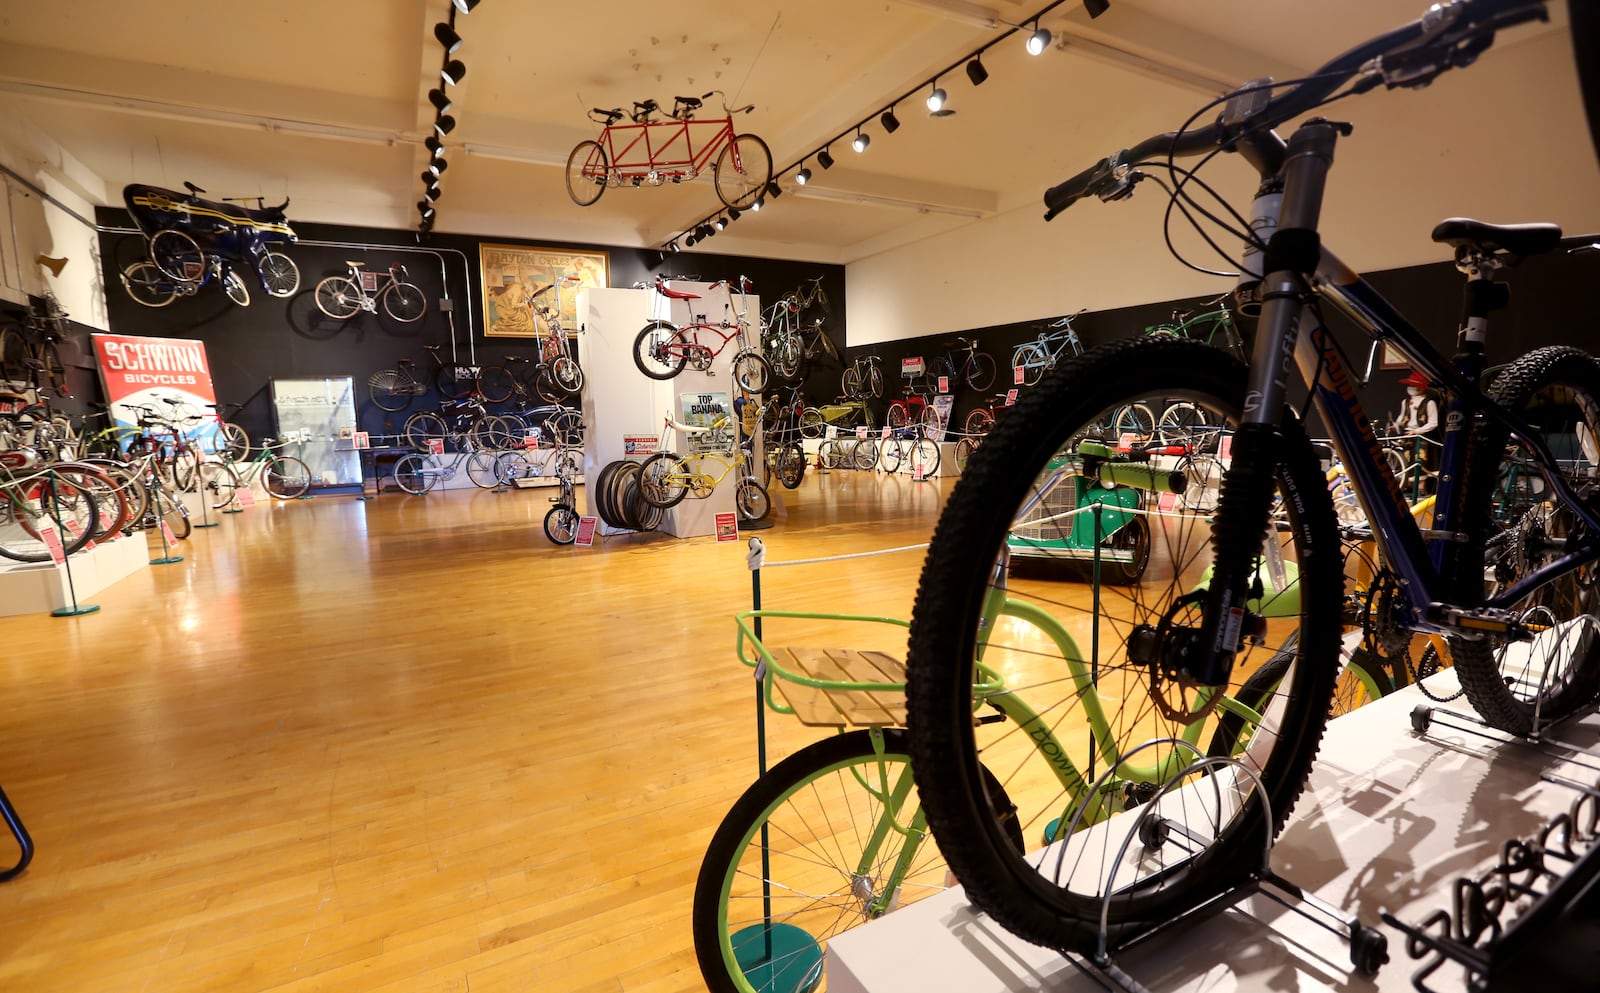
pixel 619 498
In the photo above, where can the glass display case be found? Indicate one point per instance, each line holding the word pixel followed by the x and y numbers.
pixel 316 419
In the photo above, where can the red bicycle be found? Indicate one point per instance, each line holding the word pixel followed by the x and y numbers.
pixel 662 349
pixel 651 152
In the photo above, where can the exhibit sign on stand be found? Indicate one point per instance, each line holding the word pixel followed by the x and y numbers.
pixel 140 371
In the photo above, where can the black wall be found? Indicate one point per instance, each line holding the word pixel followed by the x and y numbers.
pixel 287 338
pixel 1555 301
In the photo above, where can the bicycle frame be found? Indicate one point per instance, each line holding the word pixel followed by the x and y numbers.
pixel 668 149
pixel 1415 556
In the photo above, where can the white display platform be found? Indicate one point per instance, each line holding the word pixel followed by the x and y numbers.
pixel 947 459
pixel 40 587
pixel 1390 820
pixel 620 400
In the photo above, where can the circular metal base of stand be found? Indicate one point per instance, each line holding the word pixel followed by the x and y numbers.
pixel 166 560
pixel 234 510
pixel 207 524
pixel 305 496
pixel 82 608
pixel 761 525
pixel 794 964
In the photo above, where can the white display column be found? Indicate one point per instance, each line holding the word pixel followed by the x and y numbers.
pixel 621 401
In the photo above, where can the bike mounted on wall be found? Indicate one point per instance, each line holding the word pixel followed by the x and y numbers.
pixel 190 240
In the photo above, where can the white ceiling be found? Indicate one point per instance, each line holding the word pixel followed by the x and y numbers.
pixel 325 102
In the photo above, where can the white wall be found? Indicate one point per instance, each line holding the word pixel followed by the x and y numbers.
pixel 31 226
pixel 1503 141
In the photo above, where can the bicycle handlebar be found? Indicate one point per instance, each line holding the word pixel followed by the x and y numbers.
pixel 1450 35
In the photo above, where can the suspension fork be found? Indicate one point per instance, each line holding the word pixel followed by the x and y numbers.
pixel 1245 502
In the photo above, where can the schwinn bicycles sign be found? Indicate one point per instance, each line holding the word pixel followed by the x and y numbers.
pixel 138 370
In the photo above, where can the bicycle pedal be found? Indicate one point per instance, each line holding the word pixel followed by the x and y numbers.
pixel 1479 620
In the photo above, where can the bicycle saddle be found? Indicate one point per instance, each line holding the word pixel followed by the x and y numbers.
pixel 643 109
pixel 671 293
pixel 688 103
pixel 612 116
pixel 192 188
pixel 1517 241
pixel 354 265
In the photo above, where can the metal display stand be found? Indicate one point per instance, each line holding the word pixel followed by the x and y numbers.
pixel 19 832
pixel 73 608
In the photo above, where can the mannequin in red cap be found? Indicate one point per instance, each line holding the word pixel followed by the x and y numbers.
pixel 1419 417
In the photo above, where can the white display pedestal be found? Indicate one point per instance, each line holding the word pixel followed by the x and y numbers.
pixel 1389 821
pixel 40 587
pixel 620 400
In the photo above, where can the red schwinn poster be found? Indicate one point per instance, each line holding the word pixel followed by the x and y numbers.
pixel 153 371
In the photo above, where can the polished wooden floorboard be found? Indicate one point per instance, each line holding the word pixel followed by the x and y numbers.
pixel 403 745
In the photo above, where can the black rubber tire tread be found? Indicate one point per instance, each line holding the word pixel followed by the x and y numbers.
pixel 585 149
pixel 979 371
pixel 494 382
pixel 740 829
pixel 949 596
pixel 289 479
pixel 1475 661
pixel 752 499
pixel 661 368
pixel 791 465
pixel 751 372
pixel 754 188
pixel 561 525
pixel 602 495
pixel 177 517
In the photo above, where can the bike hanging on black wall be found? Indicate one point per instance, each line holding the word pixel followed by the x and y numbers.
pixel 189 241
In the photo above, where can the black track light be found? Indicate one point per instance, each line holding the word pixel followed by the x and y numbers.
pixel 707 231
pixel 1096 7
pixel 434 145
pixel 453 71
pixel 1039 40
pixel 860 141
pixel 760 202
pixel 440 100
pixel 672 246
pixel 425 208
pixel 976 72
pixel 431 193
pixel 438 166
pixel 430 177
pixel 722 224
pixel 825 159
pixel 803 176
pixel 774 190
pixel 443 125
pixel 690 240
pixel 890 123
pixel 733 213
pixel 447 37
pixel 936 99
pixel 465 6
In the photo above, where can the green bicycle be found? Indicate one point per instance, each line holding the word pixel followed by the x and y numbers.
pixel 283 476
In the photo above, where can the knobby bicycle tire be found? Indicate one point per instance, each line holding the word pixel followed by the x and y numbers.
pixel 818 807
pixel 1519 685
pixel 986 569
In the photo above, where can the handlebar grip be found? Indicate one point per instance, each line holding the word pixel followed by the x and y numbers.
pixel 1060 197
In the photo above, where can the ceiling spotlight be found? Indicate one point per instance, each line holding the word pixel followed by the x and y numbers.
pixel 430 177
pixel 976 72
pixel 825 159
pixel 890 123
pixel 690 240
pixel 722 224
pixel 1096 7
pixel 465 6
pixel 1039 40
pixel 447 37
pixel 444 124
pixel 803 176
pixel 440 100
pixel 672 246
pixel 774 190
pixel 432 193
pixel 707 231
pixel 437 166
pixel 860 141
pixel 434 145
pixel 425 207
pixel 453 71
pixel 760 201
pixel 936 100
pixel 733 213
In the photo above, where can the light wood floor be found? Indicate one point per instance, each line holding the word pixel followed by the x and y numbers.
pixel 402 745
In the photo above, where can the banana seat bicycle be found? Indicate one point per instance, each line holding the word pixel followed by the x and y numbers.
pixel 1515 599
pixel 666 477
pixel 662 349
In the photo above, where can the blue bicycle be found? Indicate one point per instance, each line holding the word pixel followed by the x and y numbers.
pixel 1032 359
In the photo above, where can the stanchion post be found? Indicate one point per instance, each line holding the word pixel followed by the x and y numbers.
pixel 205 517
pixel 76 609
pixel 167 558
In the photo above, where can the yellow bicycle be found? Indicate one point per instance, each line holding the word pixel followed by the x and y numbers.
pixel 666 478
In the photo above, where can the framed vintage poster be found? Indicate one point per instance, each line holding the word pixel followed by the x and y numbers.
pixel 512 273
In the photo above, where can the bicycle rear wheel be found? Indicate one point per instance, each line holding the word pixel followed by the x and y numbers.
pixel 494 382
pixel 390 390
pixel 229 441
pixel 797 861
pixel 979 421
pixel 280 277
pixel 218 482
pixel 1515 519
pixel 423 426
pixel 658 350
pixel 416 473
pixel 484 469
pixel 1003 585
pixel 979 371
pixel 177 255
pixel 663 479
pixel 923 456
pixel 586 173
pixel 286 477
pixel 148 285
pixel 1029 361
pixel 339 297
pixel 405 302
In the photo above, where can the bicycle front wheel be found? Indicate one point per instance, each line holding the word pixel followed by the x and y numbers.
pixel 217 484
pixel 234 287
pixel 752 500
pixel 586 173
pixel 979 371
pixel 663 480
pixel 390 390
pixel 743 171
pixel 286 477
pixel 791 465
pixel 1514 517
pixel 422 426
pixel 280 277
pixel 416 473
pixel 339 297
pixel 495 383
pixel 148 285
pixel 567 375
pixel 1003 590
pixel 751 372
pixel 561 525
pixel 827 840
pixel 405 302
pixel 483 468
